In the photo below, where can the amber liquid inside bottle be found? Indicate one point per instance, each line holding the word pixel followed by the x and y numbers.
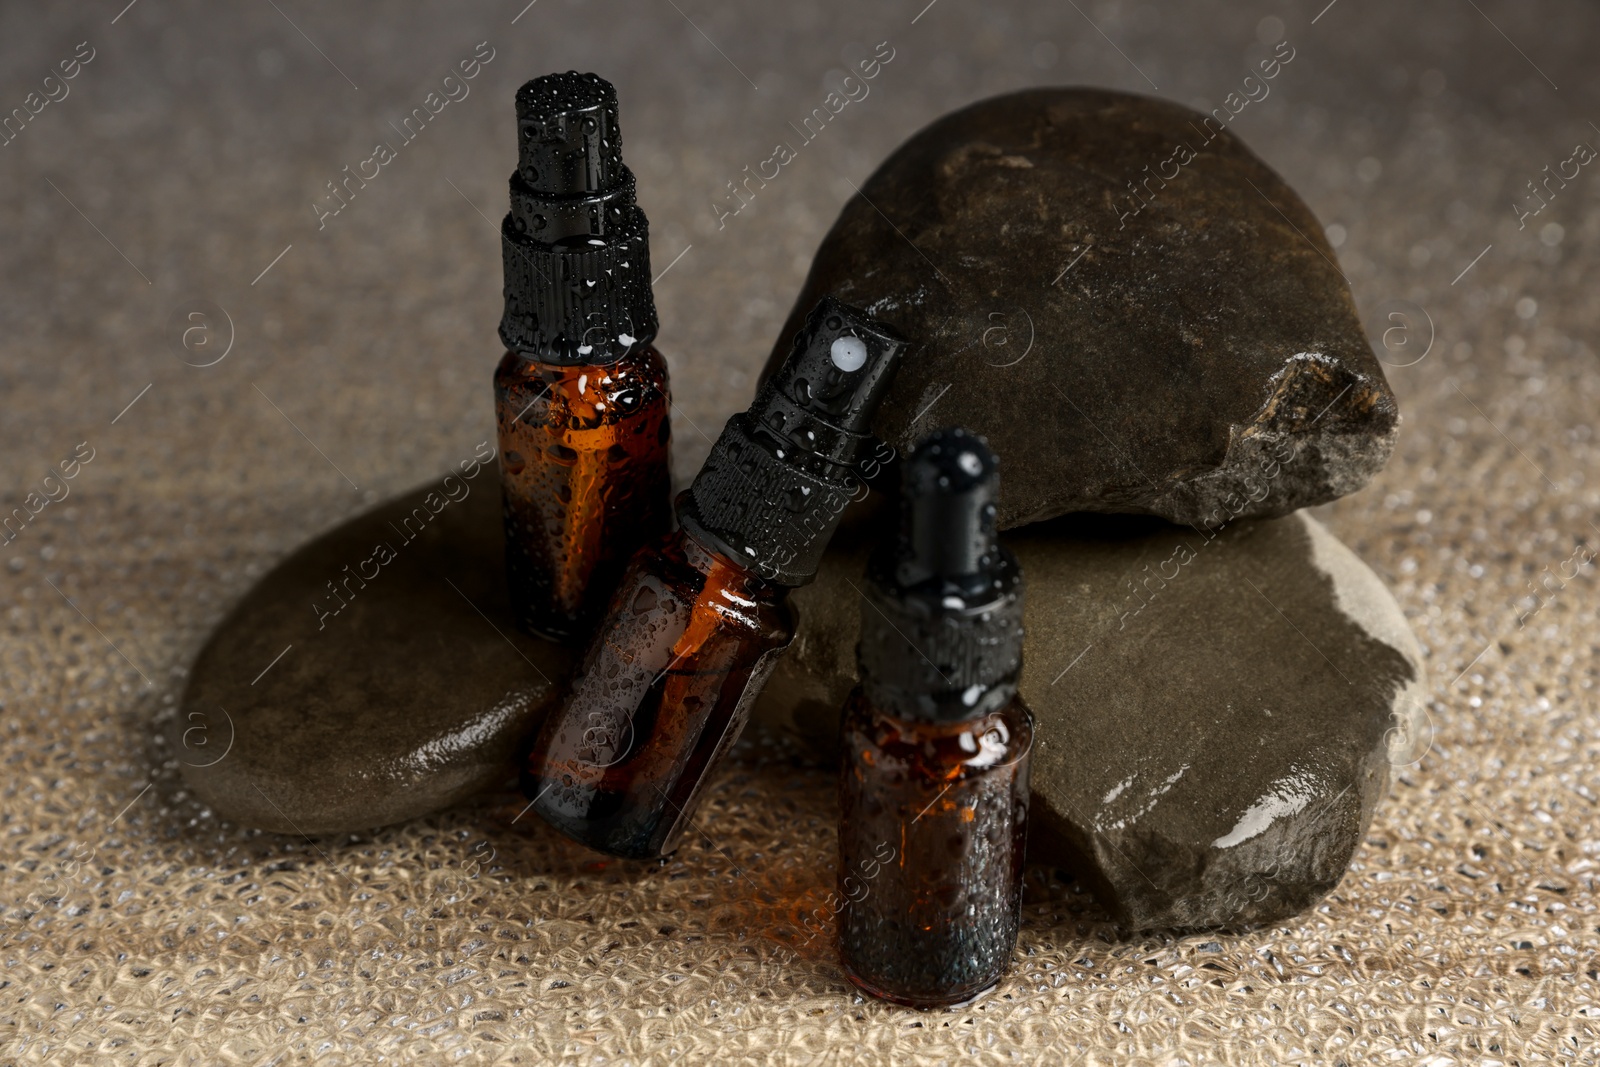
pixel 662 693
pixel 933 826
pixel 586 480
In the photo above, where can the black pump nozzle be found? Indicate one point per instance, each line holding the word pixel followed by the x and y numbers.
pixel 568 139
pixel 950 490
pixel 570 184
pixel 817 409
pixel 782 472
pixel 576 246
pixel 941 637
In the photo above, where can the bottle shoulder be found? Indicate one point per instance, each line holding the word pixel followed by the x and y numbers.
pixel 583 395
pixel 943 751
pixel 741 599
pixel 643 359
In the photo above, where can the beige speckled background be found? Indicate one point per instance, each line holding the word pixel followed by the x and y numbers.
pixel 140 929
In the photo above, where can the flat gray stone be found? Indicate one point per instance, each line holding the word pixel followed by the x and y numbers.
pixel 1132 360
pixel 414 695
pixel 1216 718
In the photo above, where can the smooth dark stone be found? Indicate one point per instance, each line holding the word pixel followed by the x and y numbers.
pixel 1211 758
pixel 1128 362
pixel 418 693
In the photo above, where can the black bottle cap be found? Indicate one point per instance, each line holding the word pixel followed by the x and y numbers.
pixel 576 247
pixel 941 632
pixel 781 474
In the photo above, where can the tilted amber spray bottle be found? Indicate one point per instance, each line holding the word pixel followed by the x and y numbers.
pixel 699 620
pixel 581 394
pixel 935 744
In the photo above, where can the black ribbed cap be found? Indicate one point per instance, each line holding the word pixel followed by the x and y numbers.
pixel 575 245
pixel 781 474
pixel 941 633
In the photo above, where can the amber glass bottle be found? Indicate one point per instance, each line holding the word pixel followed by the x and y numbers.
pixel 700 617
pixel 581 395
pixel 935 744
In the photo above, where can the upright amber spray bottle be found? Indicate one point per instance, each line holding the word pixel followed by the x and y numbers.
pixel 700 618
pixel 935 744
pixel 581 394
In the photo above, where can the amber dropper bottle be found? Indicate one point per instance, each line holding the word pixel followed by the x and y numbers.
pixel 699 619
pixel 581 393
pixel 935 744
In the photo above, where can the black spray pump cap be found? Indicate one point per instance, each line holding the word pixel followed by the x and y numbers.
pixel 576 246
pixel 781 474
pixel 941 634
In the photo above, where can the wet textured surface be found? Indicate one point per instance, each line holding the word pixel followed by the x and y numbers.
pixel 373 676
pixel 1131 341
pixel 1217 716
pixel 139 926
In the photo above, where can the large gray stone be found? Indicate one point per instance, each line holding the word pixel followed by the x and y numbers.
pixel 1135 361
pixel 1217 715
pixel 415 694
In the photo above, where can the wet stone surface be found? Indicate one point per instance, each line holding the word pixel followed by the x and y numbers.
pixel 399 690
pixel 1144 341
pixel 1218 713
